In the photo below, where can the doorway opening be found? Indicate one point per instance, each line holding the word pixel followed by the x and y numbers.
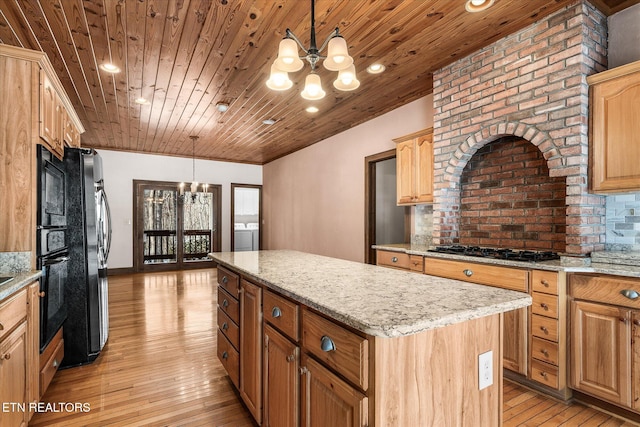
pixel 246 215
pixel 174 231
pixel 385 221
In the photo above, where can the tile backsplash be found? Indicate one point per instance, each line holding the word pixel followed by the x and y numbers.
pixel 623 222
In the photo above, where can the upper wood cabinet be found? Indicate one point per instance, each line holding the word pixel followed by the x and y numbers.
pixel 56 127
pixel 414 168
pixel 615 129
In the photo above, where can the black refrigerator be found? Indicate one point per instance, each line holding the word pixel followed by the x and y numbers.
pixel 89 234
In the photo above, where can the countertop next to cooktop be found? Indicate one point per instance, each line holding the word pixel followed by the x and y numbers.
pixel 600 262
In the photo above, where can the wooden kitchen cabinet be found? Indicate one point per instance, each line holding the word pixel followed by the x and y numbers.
pixel 33 346
pixel 414 168
pixel 328 401
pixel 281 380
pixel 601 351
pixel 635 361
pixel 251 347
pixel 515 322
pixel 399 260
pixel 615 129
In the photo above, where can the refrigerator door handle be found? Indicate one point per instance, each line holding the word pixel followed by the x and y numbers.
pixel 108 218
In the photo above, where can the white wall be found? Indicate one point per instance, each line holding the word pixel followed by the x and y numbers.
pixel 624 36
pixel 121 168
pixel 314 198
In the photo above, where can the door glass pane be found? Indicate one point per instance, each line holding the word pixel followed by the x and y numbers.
pixel 160 225
pixel 246 225
pixel 197 225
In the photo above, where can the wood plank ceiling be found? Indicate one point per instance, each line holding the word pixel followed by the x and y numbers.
pixel 184 56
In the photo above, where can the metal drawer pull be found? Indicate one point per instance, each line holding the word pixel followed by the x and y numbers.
pixel 544 329
pixel 467 272
pixel 225 280
pixel 55 363
pixel 326 344
pixel 544 375
pixel 6 356
pixel 225 303
pixel 276 312
pixel 545 352
pixel 225 355
pixel 629 293
pixel 544 283
pixel 394 259
pixel 544 306
pixel 225 326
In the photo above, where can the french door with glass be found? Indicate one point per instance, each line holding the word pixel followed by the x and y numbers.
pixel 174 231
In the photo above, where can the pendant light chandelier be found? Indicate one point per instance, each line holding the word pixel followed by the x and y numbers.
pixel 337 59
pixel 194 184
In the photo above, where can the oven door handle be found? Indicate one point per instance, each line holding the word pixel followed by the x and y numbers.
pixel 53 261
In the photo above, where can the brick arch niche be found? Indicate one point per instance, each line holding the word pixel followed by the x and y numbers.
pixel 530 85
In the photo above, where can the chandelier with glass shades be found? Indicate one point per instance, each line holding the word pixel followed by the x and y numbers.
pixel 337 59
pixel 194 183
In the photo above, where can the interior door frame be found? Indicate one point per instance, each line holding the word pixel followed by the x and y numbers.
pixel 233 214
pixel 138 229
pixel 370 204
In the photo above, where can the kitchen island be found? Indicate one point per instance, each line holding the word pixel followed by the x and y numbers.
pixel 363 345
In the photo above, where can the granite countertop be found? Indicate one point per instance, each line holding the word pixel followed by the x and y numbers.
pixel 375 300
pixel 20 280
pixel 616 263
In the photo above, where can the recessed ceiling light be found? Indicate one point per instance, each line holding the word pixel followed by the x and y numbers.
pixel 222 107
pixel 109 68
pixel 375 68
pixel 141 101
pixel 268 121
pixel 312 109
pixel 478 5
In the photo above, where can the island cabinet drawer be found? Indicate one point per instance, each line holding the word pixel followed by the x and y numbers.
pixel 229 281
pixel 229 305
pixel 340 349
pixel 229 358
pixel 491 275
pixel 614 290
pixel 544 281
pixel 545 305
pixel 229 328
pixel 281 313
pixel 544 350
pixel 544 373
pixel 12 311
pixel 393 259
pixel 544 327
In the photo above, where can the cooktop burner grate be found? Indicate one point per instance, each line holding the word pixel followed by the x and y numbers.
pixel 508 254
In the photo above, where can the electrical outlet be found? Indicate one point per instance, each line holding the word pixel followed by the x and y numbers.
pixel 485 370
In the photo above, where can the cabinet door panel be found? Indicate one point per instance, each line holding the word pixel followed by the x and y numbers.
pixel 281 380
pixel 515 341
pixel 405 165
pixel 13 375
pixel 635 361
pixel 424 168
pixel 251 348
pixel 328 401
pixel 601 351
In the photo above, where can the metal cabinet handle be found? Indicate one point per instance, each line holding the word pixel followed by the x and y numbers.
pixel 6 356
pixel 225 355
pixel 467 272
pixel 290 358
pixel 1 327
pixel 276 312
pixel 41 294
pixel 326 344
pixel 55 363
pixel 630 293
pixel 225 326
pixel 225 303
pixel 225 280
pixel 394 259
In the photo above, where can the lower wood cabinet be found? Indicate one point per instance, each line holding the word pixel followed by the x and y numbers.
pixel 514 356
pixel 329 401
pixel 251 347
pixel 13 376
pixel 281 380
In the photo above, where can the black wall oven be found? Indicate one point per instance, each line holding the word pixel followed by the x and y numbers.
pixel 52 245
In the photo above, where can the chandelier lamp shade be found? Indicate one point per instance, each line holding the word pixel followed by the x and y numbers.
pixel 289 61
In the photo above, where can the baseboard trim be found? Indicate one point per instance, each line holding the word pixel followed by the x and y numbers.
pixel 119 271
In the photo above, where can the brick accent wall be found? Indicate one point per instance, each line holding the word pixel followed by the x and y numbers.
pixel 509 200
pixel 531 84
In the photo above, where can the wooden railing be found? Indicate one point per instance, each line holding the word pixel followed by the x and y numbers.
pixel 161 245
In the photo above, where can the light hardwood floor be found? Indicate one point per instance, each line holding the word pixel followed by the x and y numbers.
pixel 159 367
